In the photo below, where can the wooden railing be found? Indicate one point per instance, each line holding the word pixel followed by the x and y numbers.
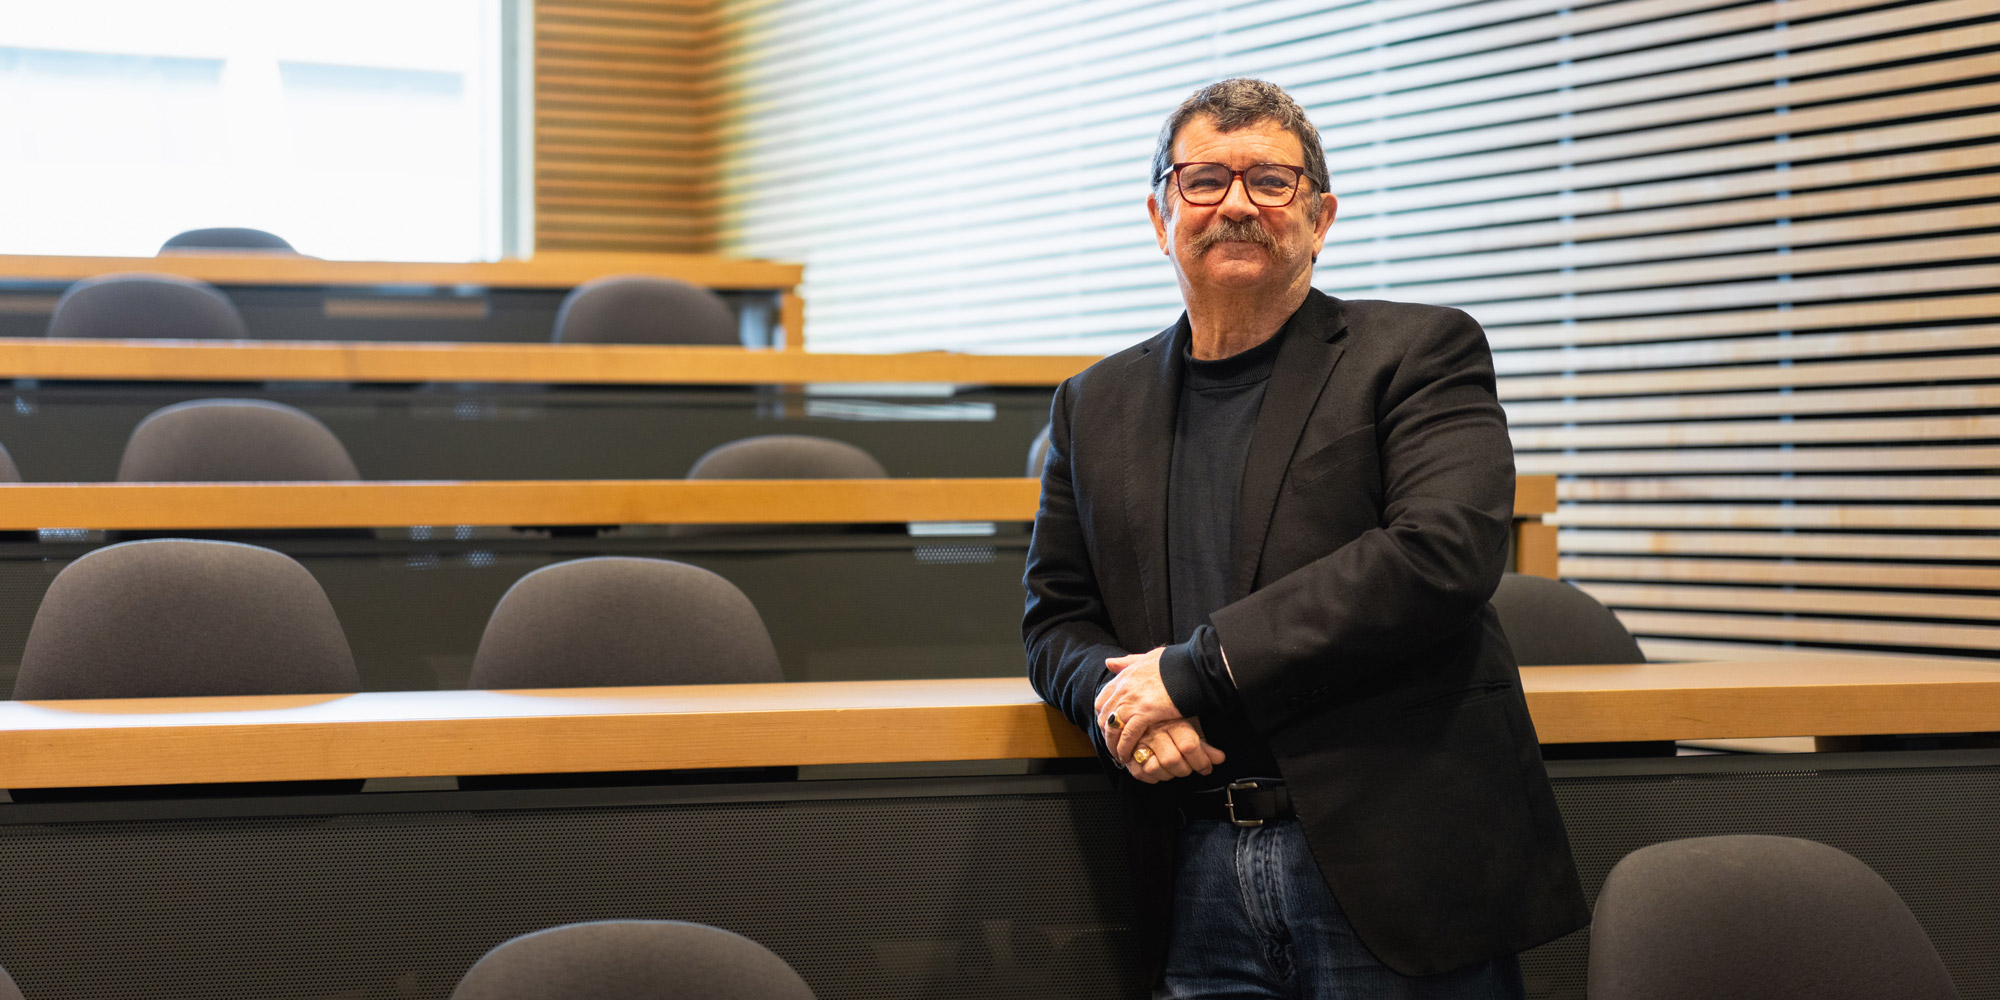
pixel 403 734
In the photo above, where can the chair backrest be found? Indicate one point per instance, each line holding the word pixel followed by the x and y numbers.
pixel 9 473
pixel 641 309
pixel 225 238
pixel 786 456
pixel 233 440
pixel 631 960
pixel 616 621
pixel 1720 918
pixel 1550 623
pixel 1038 453
pixel 161 306
pixel 178 617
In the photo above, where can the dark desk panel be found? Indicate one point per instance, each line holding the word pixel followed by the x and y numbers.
pixel 995 886
pixel 74 432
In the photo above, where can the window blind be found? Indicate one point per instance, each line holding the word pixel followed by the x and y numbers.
pixel 1737 261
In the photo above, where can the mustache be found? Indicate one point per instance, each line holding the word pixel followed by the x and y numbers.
pixel 1232 231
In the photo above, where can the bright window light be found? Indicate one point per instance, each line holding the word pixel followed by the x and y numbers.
pixel 358 129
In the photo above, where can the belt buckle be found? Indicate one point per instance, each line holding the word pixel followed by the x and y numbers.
pixel 1229 800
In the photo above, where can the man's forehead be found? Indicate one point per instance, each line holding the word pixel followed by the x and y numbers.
pixel 1202 132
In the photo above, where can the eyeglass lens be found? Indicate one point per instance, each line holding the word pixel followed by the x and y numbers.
pixel 1270 185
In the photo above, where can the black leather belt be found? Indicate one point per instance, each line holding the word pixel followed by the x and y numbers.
pixel 1245 803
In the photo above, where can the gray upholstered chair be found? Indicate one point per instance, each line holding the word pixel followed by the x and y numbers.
pixel 1720 918
pixel 178 617
pixel 233 440
pixel 225 238
pixel 631 960
pixel 1038 453
pixel 139 305
pixel 1550 623
pixel 620 621
pixel 640 309
pixel 780 456
pixel 786 456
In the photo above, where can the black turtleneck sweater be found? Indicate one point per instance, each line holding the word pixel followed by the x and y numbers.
pixel 1217 414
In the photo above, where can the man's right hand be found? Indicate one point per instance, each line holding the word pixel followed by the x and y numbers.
pixel 1178 750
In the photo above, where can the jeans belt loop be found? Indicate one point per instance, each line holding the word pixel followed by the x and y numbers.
pixel 1229 799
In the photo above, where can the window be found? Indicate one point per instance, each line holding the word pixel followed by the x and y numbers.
pixel 357 129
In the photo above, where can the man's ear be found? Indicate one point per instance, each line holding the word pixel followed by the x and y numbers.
pixel 1329 206
pixel 1159 224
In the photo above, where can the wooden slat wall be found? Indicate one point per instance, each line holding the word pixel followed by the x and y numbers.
pixel 1740 289
pixel 1740 262
pixel 625 99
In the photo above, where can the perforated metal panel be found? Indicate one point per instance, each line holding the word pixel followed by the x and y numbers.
pixel 951 893
pixel 1928 823
pixel 994 887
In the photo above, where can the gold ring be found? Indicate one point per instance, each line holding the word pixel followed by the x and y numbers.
pixel 1112 720
pixel 1142 755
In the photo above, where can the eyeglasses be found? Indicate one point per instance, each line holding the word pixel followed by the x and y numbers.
pixel 1269 185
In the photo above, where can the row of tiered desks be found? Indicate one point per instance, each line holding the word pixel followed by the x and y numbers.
pixel 904 819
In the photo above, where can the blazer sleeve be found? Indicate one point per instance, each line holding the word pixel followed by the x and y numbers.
pixel 1425 571
pixel 1066 628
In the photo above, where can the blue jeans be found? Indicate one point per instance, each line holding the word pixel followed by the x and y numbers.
pixel 1253 919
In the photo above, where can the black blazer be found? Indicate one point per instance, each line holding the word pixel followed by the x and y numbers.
pixel 1372 528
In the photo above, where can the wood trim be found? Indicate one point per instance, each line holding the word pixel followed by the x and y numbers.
pixel 1942 576
pixel 632 364
pixel 1877 459
pixel 544 270
pixel 1783 488
pixel 408 734
pixel 171 506
pixel 1817 545
pixel 1535 550
pixel 1755 404
pixel 524 732
pixel 1827 630
pixel 1870 603
pixel 1687 435
pixel 1816 516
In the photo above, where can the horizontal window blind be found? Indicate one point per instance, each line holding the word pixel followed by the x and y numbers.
pixel 625 109
pixel 1739 262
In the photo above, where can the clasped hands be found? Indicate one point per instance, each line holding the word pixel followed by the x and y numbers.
pixel 1147 735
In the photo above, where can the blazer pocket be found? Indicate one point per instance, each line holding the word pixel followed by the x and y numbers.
pixel 1347 449
pixel 1485 691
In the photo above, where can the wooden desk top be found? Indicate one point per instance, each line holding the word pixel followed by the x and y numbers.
pixel 572 364
pixel 544 270
pixel 170 506
pixel 408 734
pixel 190 506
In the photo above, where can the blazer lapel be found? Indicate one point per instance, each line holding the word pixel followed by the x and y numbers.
pixel 1152 401
pixel 1311 348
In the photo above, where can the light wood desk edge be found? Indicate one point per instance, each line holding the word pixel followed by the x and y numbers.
pixel 168 741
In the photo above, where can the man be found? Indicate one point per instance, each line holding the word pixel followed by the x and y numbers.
pixel 1259 581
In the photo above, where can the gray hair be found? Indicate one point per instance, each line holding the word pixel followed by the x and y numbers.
pixel 1235 104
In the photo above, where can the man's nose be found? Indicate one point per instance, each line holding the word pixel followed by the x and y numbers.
pixel 1236 203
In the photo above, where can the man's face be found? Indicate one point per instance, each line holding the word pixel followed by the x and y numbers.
pixel 1238 244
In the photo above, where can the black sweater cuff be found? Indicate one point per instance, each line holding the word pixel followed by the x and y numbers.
pixel 1194 675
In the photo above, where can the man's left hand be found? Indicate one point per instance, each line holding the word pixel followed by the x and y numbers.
pixel 1137 697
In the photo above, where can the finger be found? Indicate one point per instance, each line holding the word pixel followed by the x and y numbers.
pixel 1215 755
pixel 1139 771
pixel 1168 756
pixel 1129 734
pixel 1118 663
pixel 1191 748
pixel 1155 768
